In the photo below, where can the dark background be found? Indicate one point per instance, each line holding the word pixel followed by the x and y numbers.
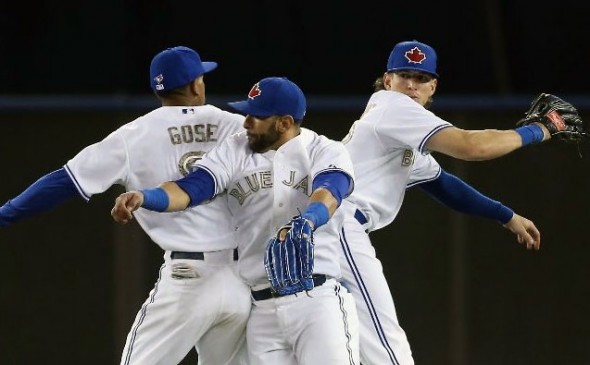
pixel 465 291
pixel 328 47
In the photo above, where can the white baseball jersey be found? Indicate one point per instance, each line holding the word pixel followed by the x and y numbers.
pixel 196 302
pixel 387 149
pixel 266 190
pixel 160 146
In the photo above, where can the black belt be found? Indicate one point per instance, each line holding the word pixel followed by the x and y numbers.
pixel 194 255
pixel 318 279
pixel 360 217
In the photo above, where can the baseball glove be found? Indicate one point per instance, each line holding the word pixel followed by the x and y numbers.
pixel 560 117
pixel 289 262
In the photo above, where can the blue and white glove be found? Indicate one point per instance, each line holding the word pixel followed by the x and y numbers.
pixel 289 262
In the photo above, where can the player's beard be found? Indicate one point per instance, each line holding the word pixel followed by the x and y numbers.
pixel 262 142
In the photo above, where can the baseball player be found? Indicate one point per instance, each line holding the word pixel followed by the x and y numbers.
pixel 199 299
pixel 271 172
pixel 390 148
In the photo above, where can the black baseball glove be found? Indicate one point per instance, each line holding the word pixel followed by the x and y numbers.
pixel 560 117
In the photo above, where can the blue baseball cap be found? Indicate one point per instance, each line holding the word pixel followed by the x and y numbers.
pixel 175 67
pixel 412 56
pixel 273 96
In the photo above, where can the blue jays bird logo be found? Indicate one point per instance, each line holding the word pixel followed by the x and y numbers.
pixel 415 55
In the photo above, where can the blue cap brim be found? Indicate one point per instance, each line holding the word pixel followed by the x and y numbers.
pixel 413 69
pixel 209 66
pixel 245 107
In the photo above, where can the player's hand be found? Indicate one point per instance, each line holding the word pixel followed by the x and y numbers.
pixel 125 205
pixel 526 233
pixel 282 235
pixel 283 231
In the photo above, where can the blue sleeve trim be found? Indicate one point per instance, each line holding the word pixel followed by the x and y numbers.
pixel 317 213
pixel 75 181
pixel 425 180
pixel 337 182
pixel 458 195
pixel 43 195
pixel 199 185
pixel 422 144
pixel 155 199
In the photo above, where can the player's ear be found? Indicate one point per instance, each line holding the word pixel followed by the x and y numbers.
pixel 387 76
pixel 434 84
pixel 195 86
pixel 284 123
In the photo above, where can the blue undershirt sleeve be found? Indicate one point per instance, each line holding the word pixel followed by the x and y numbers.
pixel 337 182
pixel 458 195
pixel 199 185
pixel 43 195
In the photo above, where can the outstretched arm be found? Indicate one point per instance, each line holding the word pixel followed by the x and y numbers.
pixel 547 116
pixel 484 144
pixel 171 196
pixel 43 195
pixel 458 195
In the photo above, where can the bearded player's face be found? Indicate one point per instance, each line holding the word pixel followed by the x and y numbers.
pixel 262 133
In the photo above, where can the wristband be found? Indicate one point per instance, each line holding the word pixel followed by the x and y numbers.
pixel 155 199
pixel 530 134
pixel 317 213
